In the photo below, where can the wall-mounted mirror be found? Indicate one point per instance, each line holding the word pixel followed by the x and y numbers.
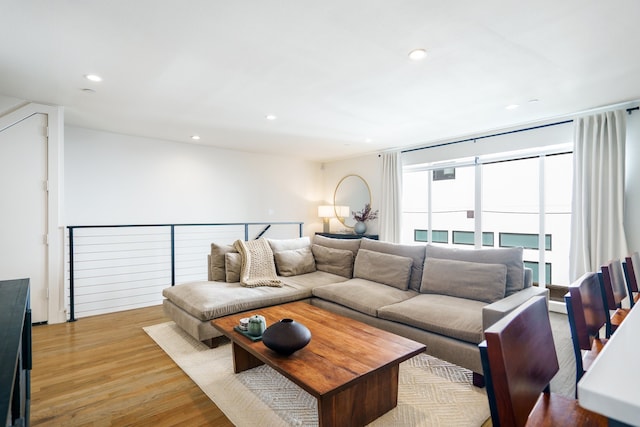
pixel 352 191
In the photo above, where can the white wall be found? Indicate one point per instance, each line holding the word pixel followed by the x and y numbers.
pixel 369 168
pixel 8 104
pixel 119 179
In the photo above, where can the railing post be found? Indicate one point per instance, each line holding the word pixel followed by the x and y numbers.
pixel 72 317
pixel 173 255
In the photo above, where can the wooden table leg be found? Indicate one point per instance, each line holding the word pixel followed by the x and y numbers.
pixel 361 403
pixel 243 360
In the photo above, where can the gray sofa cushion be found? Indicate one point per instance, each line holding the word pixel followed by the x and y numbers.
pixel 216 261
pixel 232 266
pixel 208 300
pixel 331 260
pixel 295 261
pixel 415 252
pixel 473 280
pixel 278 245
pixel 311 280
pixel 349 244
pixel 392 270
pixel 510 257
pixel 362 295
pixel 459 318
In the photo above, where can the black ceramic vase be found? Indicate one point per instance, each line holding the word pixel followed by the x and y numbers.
pixel 286 336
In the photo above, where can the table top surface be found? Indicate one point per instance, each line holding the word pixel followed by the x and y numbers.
pixel 340 352
pixel 611 387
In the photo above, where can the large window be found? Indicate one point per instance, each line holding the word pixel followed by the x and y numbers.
pixel 516 200
pixel 452 200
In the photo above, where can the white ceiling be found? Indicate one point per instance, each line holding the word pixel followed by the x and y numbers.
pixel 335 72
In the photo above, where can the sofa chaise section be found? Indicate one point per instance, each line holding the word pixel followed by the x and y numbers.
pixel 193 305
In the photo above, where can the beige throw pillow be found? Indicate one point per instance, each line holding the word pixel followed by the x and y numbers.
pixel 392 270
pixel 415 252
pixel 470 280
pixel 331 260
pixel 510 257
pixel 328 242
pixel 217 261
pixel 232 266
pixel 295 261
pixel 278 245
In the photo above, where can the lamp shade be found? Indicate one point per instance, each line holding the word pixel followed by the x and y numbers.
pixel 325 211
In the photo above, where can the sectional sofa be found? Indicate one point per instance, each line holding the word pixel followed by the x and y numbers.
pixel 440 296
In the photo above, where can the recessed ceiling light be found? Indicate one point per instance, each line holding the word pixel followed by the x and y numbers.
pixel 93 78
pixel 533 101
pixel 512 106
pixel 87 90
pixel 417 54
pixel 195 137
pixel 368 140
pixel 271 117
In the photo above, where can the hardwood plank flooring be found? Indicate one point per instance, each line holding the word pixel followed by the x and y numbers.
pixel 106 371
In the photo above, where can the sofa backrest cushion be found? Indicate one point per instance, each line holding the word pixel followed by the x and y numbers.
pixel 216 261
pixel 510 257
pixel 295 261
pixel 415 252
pixel 349 244
pixel 392 270
pixel 232 267
pixel 463 279
pixel 332 260
pixel 278 245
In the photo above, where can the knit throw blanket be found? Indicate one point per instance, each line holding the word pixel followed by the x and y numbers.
pixel 258 267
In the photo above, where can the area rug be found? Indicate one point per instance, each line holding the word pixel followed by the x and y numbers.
pixel 431 392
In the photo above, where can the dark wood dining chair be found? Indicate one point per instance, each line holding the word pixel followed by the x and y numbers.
pixel 587 316
pixel 632 274
pixel 519 360
pixel 614 291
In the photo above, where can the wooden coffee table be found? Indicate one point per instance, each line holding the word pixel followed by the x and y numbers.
pixel 350 367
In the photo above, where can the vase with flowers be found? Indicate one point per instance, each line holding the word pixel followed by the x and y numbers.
pixel 362 217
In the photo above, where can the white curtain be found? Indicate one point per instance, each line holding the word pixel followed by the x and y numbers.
pixel 390 210
pixel 597 214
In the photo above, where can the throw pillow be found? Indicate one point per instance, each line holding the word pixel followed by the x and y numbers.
pixel 331 260
pixel 392 270
pixel 463 279
pixel 415 252
pixel 232 266
pixel 278 245
pixel 216 261
pixel 510 257
pixel 349 244
pixel 295 261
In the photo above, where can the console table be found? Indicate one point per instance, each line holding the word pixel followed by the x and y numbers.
pixel 15 353
pixel 349 236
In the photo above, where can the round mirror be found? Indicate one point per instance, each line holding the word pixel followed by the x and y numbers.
pixel 352 193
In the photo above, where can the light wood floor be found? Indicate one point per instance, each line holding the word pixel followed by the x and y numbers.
pixel 106 371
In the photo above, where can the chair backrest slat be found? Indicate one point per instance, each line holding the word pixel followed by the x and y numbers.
pixel 521 360
pixel 631 273
pixel 588 308
pixel 586 314
pixel 613 283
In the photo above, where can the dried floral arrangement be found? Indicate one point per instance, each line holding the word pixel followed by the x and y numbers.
pixel 365 214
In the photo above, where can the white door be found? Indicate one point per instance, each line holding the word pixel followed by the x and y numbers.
pixel 23 216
